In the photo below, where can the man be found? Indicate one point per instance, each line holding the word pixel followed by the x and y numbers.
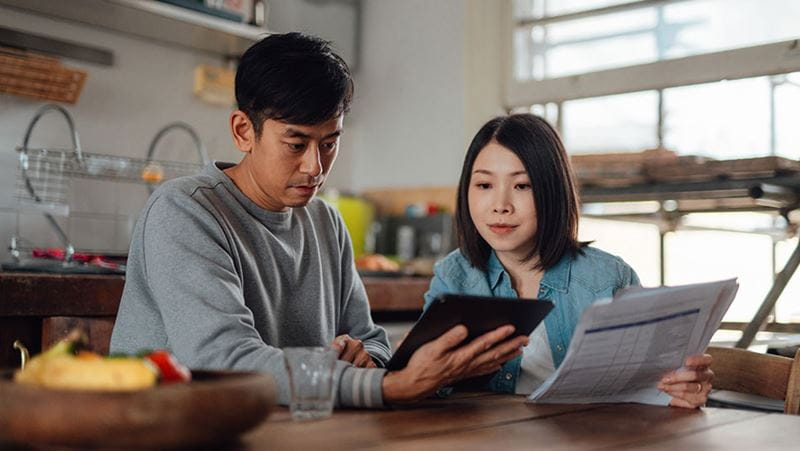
pixel 229 266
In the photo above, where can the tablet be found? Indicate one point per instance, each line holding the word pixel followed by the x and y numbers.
pixel 479 314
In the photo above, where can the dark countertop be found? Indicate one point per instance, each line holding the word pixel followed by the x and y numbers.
pixel 38 294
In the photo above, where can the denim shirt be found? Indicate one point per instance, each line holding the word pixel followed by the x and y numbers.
pixel 572 284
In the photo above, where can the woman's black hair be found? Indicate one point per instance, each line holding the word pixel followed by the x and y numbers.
pixel 294 78
pixel 537 144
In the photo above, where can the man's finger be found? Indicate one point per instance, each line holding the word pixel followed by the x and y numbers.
pixel 501 352
pixel 353 349
pixel 484 370
pixel 448 340
pixel 486 341
pixel 339 343
pixel 362 360
pixel 504 358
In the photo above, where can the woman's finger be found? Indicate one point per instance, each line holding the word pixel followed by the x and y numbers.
pixel 696 393
pixel 687 375
pixel 683 387
pixel 678 402
pixel 698 360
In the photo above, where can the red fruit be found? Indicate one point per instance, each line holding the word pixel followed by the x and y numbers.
pixel 168 368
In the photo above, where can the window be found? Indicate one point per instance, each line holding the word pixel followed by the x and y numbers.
pixel 717 78
pixel 553 41
pixel 723 120
pixel 625 122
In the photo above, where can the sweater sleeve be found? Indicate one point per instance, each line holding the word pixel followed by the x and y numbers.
pixel 356 319
pixel 194 281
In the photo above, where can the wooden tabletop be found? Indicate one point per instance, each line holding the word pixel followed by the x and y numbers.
pixel 490 421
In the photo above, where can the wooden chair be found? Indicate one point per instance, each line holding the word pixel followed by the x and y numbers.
pixel 766 375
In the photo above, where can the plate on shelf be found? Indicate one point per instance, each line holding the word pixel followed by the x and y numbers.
pixel 214 408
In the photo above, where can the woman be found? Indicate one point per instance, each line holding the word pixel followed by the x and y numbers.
pixel 517 221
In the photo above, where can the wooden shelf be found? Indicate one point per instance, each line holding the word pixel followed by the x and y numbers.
pixel 152 20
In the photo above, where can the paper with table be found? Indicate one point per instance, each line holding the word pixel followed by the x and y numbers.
pixel 622 347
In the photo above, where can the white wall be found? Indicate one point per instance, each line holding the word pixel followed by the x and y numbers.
pixel 406 126
pixel 428 76
pixel 118 113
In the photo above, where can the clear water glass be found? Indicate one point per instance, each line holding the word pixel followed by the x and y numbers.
pixel 310 371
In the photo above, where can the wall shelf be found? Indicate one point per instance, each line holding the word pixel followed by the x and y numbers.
pixel 152 20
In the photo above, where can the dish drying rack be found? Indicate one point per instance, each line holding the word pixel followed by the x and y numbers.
pixel 43 173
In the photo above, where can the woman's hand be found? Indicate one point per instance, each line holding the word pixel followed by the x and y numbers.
pixel 442 362
pixel 352 350
pixel 690 385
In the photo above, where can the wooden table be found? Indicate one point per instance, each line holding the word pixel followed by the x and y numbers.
pixel 500 422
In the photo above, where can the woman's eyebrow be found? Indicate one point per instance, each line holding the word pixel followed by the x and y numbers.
pixel 488 172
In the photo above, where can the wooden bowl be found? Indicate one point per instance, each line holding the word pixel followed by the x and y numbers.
pixel 214 408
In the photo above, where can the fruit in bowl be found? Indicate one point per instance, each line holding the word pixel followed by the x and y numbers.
pixel 67 366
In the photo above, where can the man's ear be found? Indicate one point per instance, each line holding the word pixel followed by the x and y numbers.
pixel 244 136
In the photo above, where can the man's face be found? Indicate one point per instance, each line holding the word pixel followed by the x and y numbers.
pixel 289 162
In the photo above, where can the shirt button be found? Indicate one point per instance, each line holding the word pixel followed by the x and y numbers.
pixel 559 348
pixel 509 376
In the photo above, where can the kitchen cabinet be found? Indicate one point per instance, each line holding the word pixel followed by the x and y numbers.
pixel 39 309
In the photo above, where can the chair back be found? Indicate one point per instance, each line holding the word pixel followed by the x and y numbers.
pixel 759 374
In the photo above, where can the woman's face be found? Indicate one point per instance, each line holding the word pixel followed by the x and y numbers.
pixel 501 201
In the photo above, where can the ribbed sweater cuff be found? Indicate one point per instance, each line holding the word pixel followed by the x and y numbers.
pixel 361 387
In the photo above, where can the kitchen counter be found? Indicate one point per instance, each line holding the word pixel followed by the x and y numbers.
pixel 37 294
pixel 38 309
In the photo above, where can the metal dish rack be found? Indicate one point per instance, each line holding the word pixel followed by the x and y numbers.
pixel 43 173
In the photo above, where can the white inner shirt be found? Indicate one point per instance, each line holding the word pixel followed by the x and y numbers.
pixel 537 362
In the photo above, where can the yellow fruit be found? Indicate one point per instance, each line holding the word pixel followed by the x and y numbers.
pixel 71 373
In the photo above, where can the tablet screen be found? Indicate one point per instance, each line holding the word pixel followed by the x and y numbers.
pixel 479 314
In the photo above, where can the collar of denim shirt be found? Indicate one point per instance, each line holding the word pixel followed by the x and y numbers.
pixel 556 278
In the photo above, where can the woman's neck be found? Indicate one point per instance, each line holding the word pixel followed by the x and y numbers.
pixel 524 279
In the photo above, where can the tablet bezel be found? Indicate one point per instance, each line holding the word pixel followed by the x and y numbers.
pixel 480 314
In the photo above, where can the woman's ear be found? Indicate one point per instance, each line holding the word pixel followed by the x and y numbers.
pixel 244 135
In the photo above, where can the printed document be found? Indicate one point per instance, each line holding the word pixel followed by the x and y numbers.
pixel 622 347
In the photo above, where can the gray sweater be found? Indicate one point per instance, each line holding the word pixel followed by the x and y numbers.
pixel 224 284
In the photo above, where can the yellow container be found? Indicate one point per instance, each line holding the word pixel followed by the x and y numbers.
pixel 357 214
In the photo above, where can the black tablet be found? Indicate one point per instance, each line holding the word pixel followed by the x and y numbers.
pixel 478 313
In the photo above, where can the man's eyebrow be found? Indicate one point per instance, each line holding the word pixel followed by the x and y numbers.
pixel 294 133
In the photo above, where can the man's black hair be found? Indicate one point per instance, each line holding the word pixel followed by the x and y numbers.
pixel 294 78
pixel 537 144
